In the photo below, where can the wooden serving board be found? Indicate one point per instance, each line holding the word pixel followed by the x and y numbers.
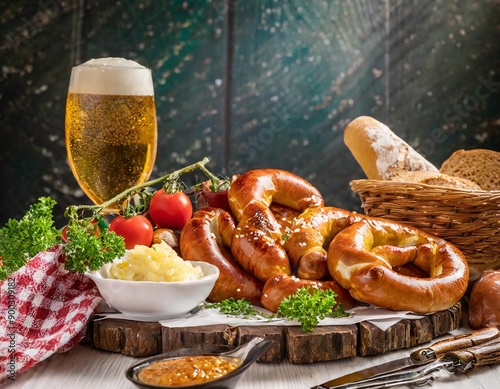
pixel 328 343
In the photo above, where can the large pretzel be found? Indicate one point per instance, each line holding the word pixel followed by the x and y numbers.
pixel 256 243
pixel 362 258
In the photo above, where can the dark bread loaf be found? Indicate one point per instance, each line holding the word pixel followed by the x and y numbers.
pixel 478 165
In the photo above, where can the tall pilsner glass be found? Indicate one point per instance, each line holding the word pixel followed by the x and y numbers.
pixel 111 130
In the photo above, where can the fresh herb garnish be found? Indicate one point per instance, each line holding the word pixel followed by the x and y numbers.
pixel 237 307
pixel 88 247
pixel 308 307
pixel 21 240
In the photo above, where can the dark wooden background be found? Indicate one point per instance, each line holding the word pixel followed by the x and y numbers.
pixel 250 84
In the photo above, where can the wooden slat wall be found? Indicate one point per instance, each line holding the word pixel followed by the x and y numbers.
pixel 268 83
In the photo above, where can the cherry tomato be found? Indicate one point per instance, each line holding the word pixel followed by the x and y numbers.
pixel 134 230
pixel 170 210
pixel 64 234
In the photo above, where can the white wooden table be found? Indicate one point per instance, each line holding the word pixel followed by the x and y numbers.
pixel 86 368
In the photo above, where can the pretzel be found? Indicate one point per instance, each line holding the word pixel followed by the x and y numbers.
pixel 279 287
pixel 256 244
pixel 311 233
pixel 207 237
pixel 272 185
pixel 285 216
pixel 362 258
pixel 285 239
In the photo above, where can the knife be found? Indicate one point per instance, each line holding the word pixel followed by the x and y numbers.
pixel 458 361
pixel 421 356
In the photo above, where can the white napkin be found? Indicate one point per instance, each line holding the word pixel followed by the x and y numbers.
pixel 382 318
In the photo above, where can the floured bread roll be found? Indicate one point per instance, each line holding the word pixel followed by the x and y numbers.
pixel 434 178
pixel 379 151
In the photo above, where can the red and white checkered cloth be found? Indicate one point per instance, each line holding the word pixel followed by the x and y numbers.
pixel 44 310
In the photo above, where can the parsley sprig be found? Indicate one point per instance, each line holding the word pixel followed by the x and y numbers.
pixel 89 246
pixel 308 306
pixel 238 307
pixel 22 239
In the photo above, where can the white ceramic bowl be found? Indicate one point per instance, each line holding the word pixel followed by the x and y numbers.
pixel 155 300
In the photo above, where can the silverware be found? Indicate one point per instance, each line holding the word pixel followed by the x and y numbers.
pixel 458 361
pixel 422 356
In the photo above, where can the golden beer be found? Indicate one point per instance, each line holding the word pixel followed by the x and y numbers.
pixel 111 131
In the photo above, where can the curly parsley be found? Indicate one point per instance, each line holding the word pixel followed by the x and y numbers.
pixel 89 250
pixel 21 240
pixel 308 307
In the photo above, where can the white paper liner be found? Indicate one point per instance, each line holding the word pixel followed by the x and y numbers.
pixel 382 318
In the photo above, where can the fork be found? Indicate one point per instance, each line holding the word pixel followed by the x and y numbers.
pixel 458 361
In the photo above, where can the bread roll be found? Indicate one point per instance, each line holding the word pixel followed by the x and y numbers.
pixel 484 303
pixel 379 151
pixel 434 178
pixel 478 165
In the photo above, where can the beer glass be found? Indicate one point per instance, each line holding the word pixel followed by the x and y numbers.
pixel 110 126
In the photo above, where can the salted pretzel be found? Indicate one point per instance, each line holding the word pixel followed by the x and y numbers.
pixel 285 216
pixel 362 258
pixel 257 241
pixel 309 237
pixel 279 287
pixel 207 237
pixel 272 185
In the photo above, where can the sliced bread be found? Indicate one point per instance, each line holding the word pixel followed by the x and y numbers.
pixel 433 178
pixel 481 166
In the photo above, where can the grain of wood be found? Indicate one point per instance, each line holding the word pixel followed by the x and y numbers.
pixel 327 343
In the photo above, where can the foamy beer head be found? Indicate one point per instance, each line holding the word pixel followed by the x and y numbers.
pixel 111 76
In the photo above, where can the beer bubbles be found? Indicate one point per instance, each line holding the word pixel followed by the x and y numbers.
pixel 111 129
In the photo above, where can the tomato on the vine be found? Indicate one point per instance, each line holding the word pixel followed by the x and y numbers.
pixel 170 210
pixel 134 230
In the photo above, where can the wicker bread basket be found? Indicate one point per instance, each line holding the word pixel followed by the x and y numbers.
pixel 468 219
